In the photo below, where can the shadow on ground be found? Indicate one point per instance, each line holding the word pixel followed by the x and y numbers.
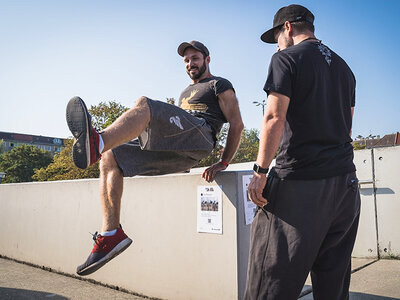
pixel 20 294
pixel 363 296
pixel 353 296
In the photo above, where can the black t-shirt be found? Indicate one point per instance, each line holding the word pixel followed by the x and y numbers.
pixel 321 87
pixel 201 100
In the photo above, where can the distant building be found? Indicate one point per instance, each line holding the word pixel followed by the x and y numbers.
pixel 11 140
pixel 387 141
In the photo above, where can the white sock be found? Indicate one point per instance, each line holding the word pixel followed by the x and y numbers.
pixel 108 233
pixel 101 144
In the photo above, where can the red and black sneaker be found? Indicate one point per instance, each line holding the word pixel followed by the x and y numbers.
pixel 105 248
pixel 85 150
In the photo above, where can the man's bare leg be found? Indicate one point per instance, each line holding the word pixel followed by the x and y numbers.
pixel 107 245
pixel 111 186
pixel 128 126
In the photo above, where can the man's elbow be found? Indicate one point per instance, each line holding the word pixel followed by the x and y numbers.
pixel 238 126
pixel 275 119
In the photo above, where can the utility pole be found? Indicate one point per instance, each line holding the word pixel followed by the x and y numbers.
pixel 262 104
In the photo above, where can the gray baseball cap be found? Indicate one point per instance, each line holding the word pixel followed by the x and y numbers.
pixel 194 44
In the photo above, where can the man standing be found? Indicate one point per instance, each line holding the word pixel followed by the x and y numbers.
pixel 170 139
pixel 309 204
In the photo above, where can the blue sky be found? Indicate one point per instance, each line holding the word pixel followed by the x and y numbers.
pixel 120 50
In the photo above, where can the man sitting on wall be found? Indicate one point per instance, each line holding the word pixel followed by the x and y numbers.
pixel 170 139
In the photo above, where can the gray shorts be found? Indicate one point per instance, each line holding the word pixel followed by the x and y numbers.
pixel 173 142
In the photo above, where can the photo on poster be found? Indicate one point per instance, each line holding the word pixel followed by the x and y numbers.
pixel 209 209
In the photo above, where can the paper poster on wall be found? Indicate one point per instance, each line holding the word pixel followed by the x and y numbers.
pixel 209 209
pixel 250 208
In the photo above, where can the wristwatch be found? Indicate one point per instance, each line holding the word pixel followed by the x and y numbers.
pixel 260 170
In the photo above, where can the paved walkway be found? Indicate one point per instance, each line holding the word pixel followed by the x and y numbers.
pixel 378 281
pixel 19 282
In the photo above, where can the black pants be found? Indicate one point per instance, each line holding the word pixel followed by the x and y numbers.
pixel 307 225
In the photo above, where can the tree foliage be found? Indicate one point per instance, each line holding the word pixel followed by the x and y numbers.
pixel 358 146
pixel 20 163
pixel 1 146
pixel 171 101
pixel 248 148
pixel 246 152
pixel 105 113
pixel 63 167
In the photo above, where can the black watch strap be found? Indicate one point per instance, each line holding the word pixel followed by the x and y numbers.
pixel 260 170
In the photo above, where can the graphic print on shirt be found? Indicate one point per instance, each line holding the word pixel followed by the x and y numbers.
pixel 326 52
pixel 177 121
pixel 193 106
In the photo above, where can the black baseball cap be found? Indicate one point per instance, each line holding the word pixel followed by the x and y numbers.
pixel 291 13
pixel 194 44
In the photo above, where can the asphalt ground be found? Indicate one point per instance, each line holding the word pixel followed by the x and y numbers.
pixel 19 281
pixel 371 280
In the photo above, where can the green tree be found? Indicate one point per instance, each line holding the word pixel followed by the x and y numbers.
pixel 248 148
pixel 20 163
pixel 171 101
pixel 1 146
pixel 358 146
pixel 104 113
pixel 1 150
pixel 216 153
pixel 63 168
pixel 246 152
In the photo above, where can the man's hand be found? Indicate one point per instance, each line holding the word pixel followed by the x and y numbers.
pixel 256 187
pixel 210 173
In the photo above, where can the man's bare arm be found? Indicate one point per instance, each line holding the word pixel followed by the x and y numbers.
pixel 272 128
pixel 230 108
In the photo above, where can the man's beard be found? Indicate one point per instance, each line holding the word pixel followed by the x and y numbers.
pixel 199 73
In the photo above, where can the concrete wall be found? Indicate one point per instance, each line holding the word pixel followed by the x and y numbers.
pixel 387 189
pixel 366 241
pixel 47 224
pixel 378 170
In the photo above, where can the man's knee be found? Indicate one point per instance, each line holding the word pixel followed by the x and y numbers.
pixel 142 101
pixel 142 107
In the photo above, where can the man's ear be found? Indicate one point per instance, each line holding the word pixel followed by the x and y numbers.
pixel 288 27
pixel 208 59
